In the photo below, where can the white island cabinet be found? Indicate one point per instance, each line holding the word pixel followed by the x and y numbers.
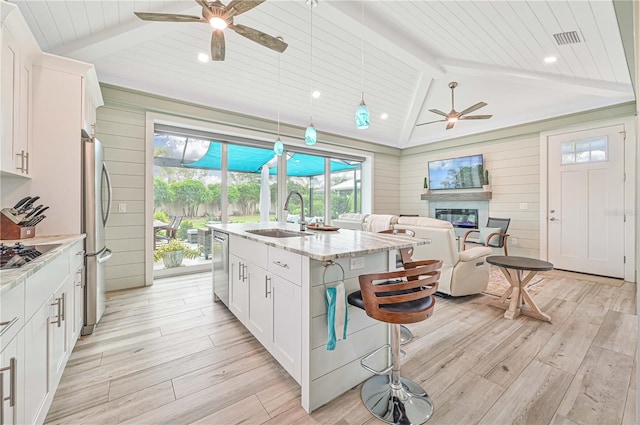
pixel 277 290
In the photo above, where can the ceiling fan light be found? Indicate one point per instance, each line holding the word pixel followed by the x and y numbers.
pixel 363 118
pixel 452 119
pixel 311 135
pixel 278 147
pixel 218 23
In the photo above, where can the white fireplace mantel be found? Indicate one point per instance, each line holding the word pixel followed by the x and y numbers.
pixel 456 196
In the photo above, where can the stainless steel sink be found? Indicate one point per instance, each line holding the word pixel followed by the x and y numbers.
pixel 278 233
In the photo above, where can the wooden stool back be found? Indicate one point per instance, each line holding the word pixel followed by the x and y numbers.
pixel 405 253
pixel 405 301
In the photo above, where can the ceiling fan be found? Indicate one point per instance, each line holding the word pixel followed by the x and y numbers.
pixel 453 116
pixel 220 17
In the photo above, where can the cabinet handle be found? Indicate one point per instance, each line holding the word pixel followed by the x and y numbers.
pixel 13 381
pixel 80 252
pixel 26 169
pixel 58 320
pixel 63 308
pixel 267 292
pixel 21 155
pixel 240 271
pixel 283 265
pixel 6 327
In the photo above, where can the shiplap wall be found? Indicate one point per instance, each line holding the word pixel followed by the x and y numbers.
pixel 386 183
pixel 122 131
pixel 514 173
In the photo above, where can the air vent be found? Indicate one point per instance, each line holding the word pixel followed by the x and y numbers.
pixel 569 37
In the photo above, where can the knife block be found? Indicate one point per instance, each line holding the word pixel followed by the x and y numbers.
pixel 10 230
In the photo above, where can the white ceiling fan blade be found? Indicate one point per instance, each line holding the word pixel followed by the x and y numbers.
pixel 476 117
pixel 430 122
pixel 473 108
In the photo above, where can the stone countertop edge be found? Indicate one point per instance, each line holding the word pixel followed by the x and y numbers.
pixel 323 245
pixel 9 278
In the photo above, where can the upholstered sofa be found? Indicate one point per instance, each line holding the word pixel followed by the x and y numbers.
pixel 462 273
pixel 350 221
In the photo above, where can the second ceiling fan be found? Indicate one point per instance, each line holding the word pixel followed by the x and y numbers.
pixel 454 116
pixel 220 17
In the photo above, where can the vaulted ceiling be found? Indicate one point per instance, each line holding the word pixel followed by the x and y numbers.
pixel 412 50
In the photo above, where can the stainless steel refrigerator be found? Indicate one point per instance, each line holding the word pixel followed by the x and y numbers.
pixel 96 204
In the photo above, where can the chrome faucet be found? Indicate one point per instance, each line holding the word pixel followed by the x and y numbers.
pixel 303 223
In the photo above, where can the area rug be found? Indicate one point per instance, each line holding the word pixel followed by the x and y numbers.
pixel 498 283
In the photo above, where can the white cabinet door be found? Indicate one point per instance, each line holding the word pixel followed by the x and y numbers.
pixel 10 100
pixel 22 143
pixel 37 337
pixel 60 328
pixel 238 288
pixel 12 376
pixel 260 319
pixel 287 315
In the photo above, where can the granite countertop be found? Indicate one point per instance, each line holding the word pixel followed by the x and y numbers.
pixel 324 245
pixel 11 277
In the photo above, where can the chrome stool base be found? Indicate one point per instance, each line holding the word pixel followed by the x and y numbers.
pixel 407 405
pixel 405 335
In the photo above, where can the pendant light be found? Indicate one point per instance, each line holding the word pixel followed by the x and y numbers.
pixel 362 112
pixel 311 135
pixel 278 146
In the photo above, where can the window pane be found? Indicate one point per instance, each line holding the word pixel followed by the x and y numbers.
pixel 583 146
pixel 244 187
pixel 583 156
pixel 568 147
pixel 569 158
pixel 305 173
pixel 346 192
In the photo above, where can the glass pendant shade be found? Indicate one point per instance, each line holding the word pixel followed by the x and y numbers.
pixel 310 136
pixel 278 147
pixel 363 119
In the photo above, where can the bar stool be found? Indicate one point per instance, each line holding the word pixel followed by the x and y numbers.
pixel 404 257
pixel 388 396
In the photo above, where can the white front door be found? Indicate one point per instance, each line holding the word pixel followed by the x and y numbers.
pixel 586 201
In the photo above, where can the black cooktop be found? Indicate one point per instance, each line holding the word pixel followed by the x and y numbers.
pixel 17 255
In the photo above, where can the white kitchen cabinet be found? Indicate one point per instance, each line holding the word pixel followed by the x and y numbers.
pixel 266 297
pixel 12 385
pixel 37 334
pixel 60 329
pixel 238 288
pixel 260 313
pixel 18 51
pixel 64 91
pixel 76 305
pixel 286 341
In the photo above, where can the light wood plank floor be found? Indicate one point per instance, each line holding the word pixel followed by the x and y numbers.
pixel 167 354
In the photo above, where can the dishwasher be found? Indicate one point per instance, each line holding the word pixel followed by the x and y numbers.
pixel 221 267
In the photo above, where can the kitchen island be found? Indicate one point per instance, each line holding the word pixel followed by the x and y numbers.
pixel 276 288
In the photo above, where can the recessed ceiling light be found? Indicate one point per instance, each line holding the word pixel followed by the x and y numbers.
pixel 550 59
pixel 315 94
pixel 203 57
pixel 384 116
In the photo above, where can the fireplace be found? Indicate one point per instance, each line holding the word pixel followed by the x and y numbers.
pixel 461 218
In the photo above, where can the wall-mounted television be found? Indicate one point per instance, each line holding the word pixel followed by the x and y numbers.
pixel 456 173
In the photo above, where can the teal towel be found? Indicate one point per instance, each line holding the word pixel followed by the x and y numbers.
pixel 337 314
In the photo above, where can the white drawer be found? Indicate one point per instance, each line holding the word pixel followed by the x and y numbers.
pixel 76 255
pixel 40 286
pixel 11 313
pixel 253 252
pixel 285 264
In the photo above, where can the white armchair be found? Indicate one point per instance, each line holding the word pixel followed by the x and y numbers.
pixel 463 273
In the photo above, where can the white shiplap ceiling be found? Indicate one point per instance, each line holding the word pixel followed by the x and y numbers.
pixel 412 50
